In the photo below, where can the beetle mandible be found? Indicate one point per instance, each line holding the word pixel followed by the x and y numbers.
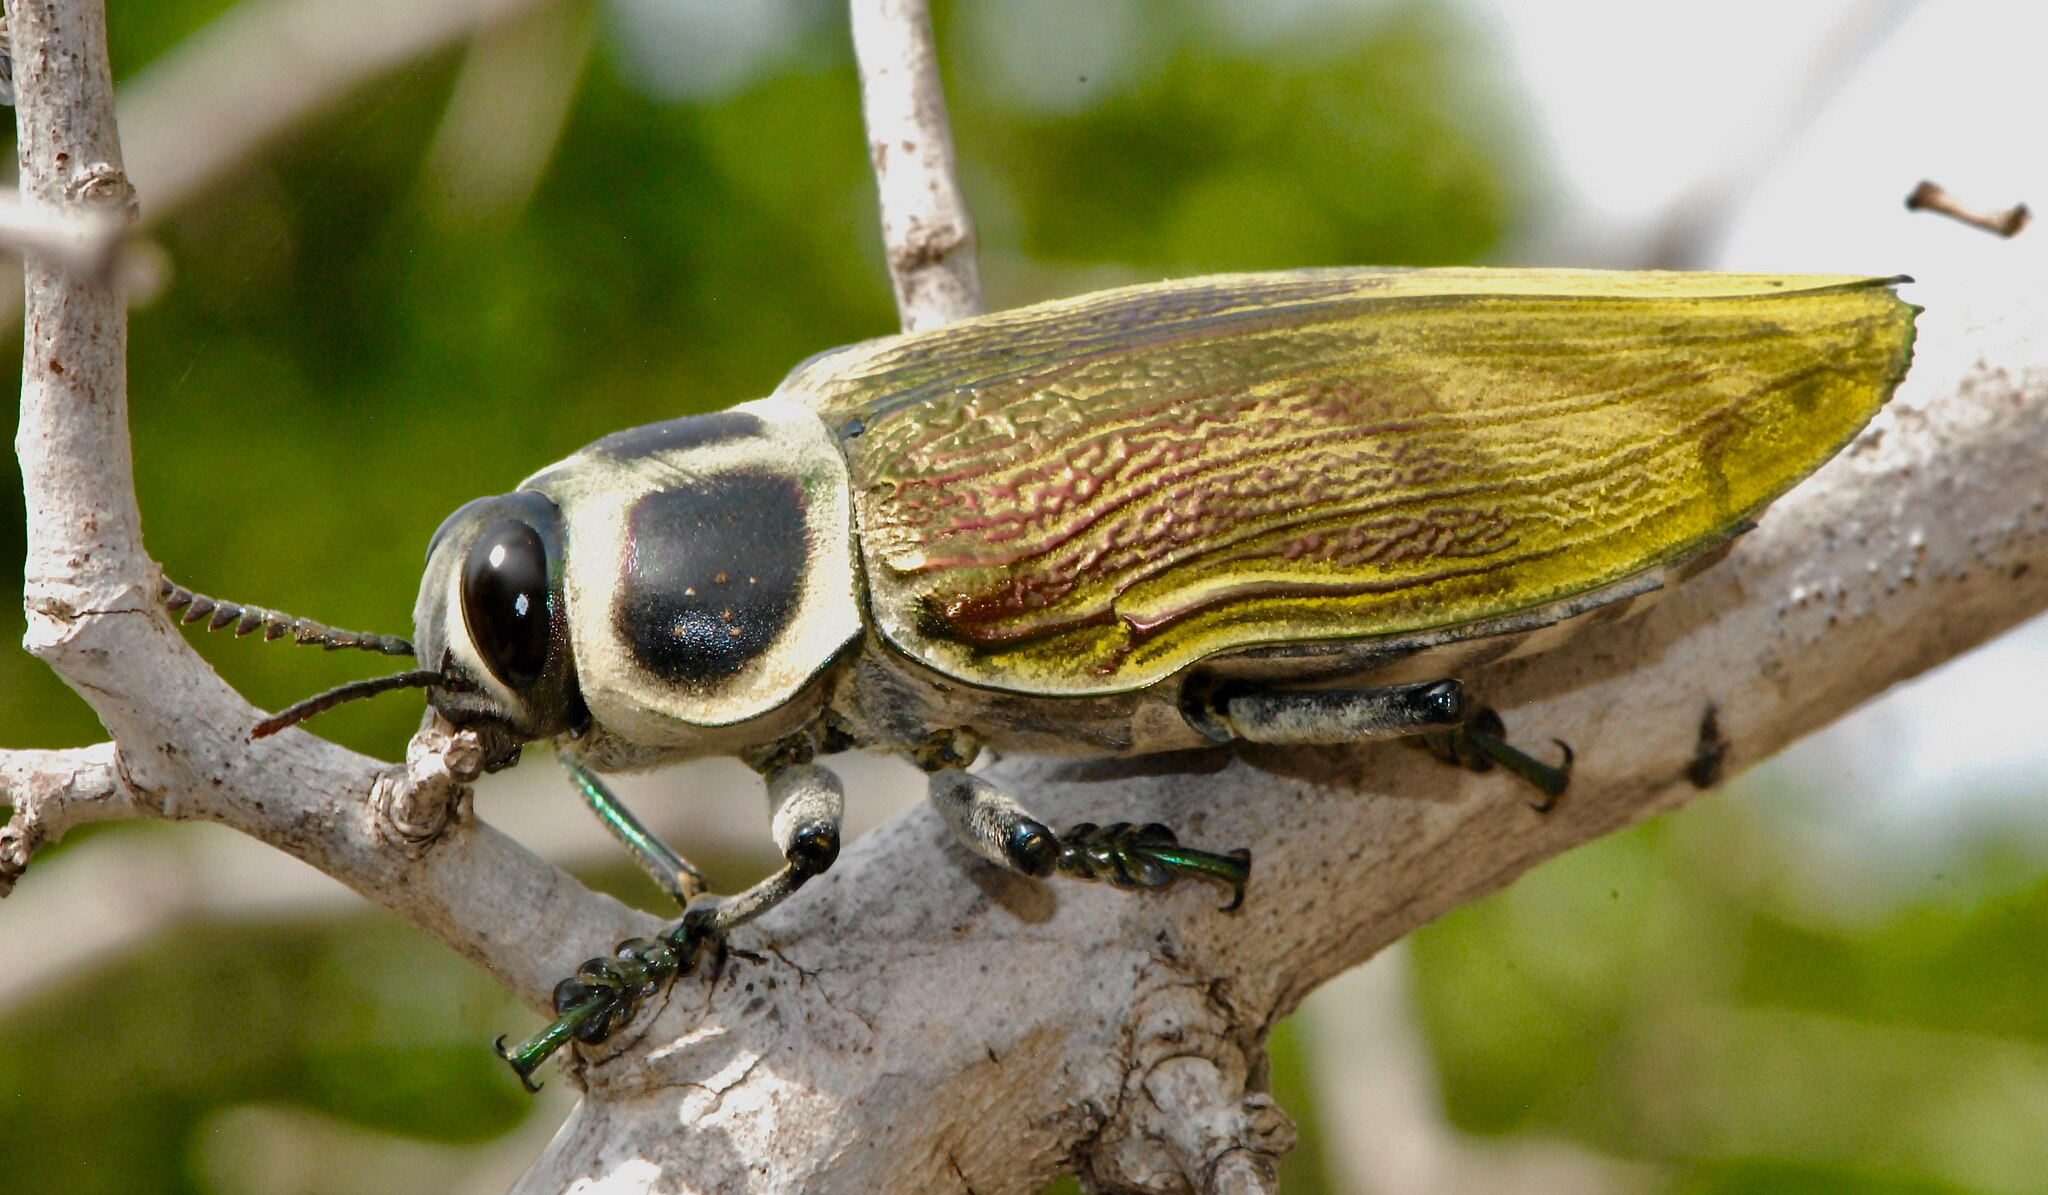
pixel 1275 508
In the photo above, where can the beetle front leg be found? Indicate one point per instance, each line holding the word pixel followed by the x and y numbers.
pixel 806 803
pixel 990 822
pixel 670 870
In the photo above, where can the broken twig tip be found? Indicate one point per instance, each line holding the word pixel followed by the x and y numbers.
pixel 1933 197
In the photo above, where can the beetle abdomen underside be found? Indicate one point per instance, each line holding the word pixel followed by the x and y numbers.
pixel 1087 496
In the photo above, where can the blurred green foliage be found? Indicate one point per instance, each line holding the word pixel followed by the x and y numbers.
pixel 113 1072
pixel 1677 994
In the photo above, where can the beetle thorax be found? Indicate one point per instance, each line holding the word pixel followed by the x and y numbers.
pixel 709 573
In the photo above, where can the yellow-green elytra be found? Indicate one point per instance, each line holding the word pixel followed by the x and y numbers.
pixel 1091 496
pixel 1284 507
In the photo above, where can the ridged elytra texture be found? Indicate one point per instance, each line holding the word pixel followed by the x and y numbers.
pixel 1088 495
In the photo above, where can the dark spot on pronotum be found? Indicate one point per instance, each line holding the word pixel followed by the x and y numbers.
pixel 1710 753
pixel 2020 570
pixel 690 431
pixel 711 575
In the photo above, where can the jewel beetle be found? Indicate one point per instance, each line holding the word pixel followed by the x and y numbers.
pixel 1276 508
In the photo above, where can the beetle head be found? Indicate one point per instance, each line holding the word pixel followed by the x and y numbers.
pixel 492 620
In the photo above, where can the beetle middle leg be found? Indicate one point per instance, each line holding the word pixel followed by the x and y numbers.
pixel 806 805
pixel 992 824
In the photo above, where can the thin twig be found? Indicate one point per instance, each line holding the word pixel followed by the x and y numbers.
pixel 1697 219
pixel 228 90
pixel 925 226
pixel 1932 197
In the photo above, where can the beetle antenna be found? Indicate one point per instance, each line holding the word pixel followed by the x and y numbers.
pixel 318 703
pixel 274 624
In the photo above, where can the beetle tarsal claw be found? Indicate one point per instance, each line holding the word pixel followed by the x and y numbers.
pixel 603 995
pixel 1124 855
pixel 1481 743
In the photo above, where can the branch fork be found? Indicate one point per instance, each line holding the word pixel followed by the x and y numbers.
pixel 415 805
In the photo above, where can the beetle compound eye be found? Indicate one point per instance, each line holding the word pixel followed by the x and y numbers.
pixel 505 602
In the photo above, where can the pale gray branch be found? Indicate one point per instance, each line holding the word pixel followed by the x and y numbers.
pixel 52 791
pixel 926 230
pixel 87 245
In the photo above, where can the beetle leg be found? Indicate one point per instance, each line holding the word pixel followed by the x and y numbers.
pixel 1480 742
pixel 1432 715
pixel 990 822
pixel 1331 716
pixel 805 803
pixel 670 870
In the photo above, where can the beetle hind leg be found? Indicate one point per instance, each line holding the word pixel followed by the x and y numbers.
pixel 1328 716
pixel 1432 715
pixel 1479 743
pixel 990 822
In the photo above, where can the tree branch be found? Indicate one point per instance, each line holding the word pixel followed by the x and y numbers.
pixel 87 247
pixel 921 1021
pixel 51 792
pixel 404 838
pixel 925 226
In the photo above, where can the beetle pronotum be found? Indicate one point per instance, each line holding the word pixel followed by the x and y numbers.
pixel 1277 508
